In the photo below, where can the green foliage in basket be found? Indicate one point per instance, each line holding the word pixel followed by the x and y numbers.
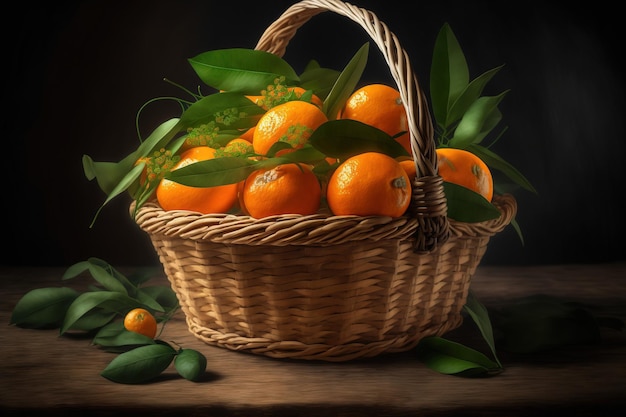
pixel 463 119
pixel 242 71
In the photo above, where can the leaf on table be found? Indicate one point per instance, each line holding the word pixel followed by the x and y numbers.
pixel 115 338
pixel 190 364
pixel 452 358
pixel 140 364
pixel 479 313
pixel 113 302
pixel 92 320
pixel 43 307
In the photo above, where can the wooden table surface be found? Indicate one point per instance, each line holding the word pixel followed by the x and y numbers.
pixel 44 374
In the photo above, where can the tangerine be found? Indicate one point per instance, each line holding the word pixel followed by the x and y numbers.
pixel 175 196
pixel 379 105
pixel 284 189
pixel 369 184
pixel 292 122
pixel 465 168
pixel 140 320
pixel 409 168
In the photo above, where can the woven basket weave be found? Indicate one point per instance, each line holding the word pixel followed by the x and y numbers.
pixel 323 287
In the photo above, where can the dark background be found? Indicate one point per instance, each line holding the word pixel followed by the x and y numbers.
pixel 76 73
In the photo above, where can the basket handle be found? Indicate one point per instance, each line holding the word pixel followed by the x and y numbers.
pixel 429 205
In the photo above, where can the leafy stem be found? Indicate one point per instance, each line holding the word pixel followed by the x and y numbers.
pixel 100 310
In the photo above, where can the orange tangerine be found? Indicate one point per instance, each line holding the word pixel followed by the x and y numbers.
pixel 175 196
pixel 292 122
pixel 369 184
pixel 379 105
pixel 140 320
pixel 285 189
pixel 464 168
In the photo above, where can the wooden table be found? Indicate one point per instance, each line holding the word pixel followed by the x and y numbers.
pixel 44 374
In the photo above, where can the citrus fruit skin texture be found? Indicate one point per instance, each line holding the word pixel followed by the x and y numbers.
pixel 174 196
pixel 369 184
pixel 141 321
pixel 379 105
pixel 292 122
pixel 285 189
pixel 464 168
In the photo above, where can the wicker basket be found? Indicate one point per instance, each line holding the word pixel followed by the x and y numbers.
pixel 322 287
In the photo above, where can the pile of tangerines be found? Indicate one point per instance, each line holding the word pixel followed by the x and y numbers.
pixel 369 183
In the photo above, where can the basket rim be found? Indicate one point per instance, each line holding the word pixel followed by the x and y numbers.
pixel 296 229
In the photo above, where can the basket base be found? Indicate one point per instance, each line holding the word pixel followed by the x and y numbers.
pixel 300 351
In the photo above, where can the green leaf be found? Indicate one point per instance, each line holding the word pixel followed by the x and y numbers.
pixel 75 270
pixel 204 110
pixel 452 358
pixel 140 364
pixel 346 83
pixel 243 70
pixel 306 155
pixel 518 230
pixel 190 364
pixel 465 205
pixel 276 147
pixel 125 183
pixel 116 178
pixel 345 138
pixel 103 273
pixel 148 301
pixel 468 96
pixel 107 280
pixel 449 75
pixel 480 315
pixel 109 174
pixel 480 115
pixel 43 308
pixel 319 80
pixel 115 335
pixel 494 161
pixel 213 172
pixel 110 301
pixel 92 320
